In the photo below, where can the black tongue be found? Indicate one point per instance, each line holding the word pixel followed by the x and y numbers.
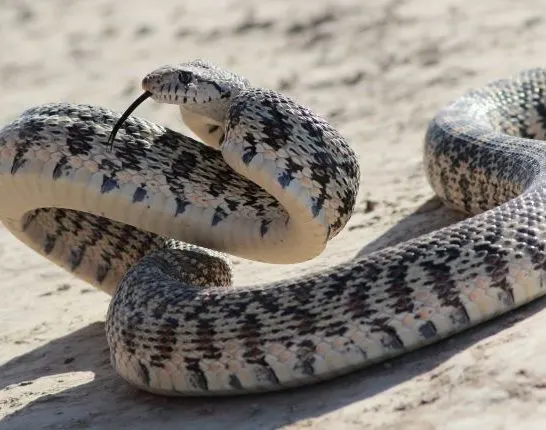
pixel 125 115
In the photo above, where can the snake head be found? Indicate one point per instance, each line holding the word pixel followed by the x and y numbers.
pixel 203 91
pixel 193 83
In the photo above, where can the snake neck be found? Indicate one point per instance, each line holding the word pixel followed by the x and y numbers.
pixel 208 120
pixel 302 162
pixel 210 129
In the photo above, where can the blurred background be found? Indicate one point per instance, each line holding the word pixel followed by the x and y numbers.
pixel 378 70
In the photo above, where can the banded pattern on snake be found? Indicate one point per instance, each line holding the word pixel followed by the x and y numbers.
pixel 274 183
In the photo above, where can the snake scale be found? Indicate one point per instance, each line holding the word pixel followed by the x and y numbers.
pixel 148 215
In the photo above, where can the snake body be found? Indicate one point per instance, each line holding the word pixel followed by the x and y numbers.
pixel 274 183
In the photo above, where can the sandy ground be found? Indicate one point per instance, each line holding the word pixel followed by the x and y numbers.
pixel 378 70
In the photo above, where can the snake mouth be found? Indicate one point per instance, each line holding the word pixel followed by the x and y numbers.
pixel 125 115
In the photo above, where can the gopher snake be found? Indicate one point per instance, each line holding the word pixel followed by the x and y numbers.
pixel 274 183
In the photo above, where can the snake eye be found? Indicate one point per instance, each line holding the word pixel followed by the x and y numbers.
pixel 184 77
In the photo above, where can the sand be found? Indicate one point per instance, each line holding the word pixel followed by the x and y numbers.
pixel 379 70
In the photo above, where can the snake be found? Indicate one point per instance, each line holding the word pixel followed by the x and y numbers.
pixel 150 215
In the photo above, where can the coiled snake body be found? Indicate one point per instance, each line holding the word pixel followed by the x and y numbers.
pixel 274 184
